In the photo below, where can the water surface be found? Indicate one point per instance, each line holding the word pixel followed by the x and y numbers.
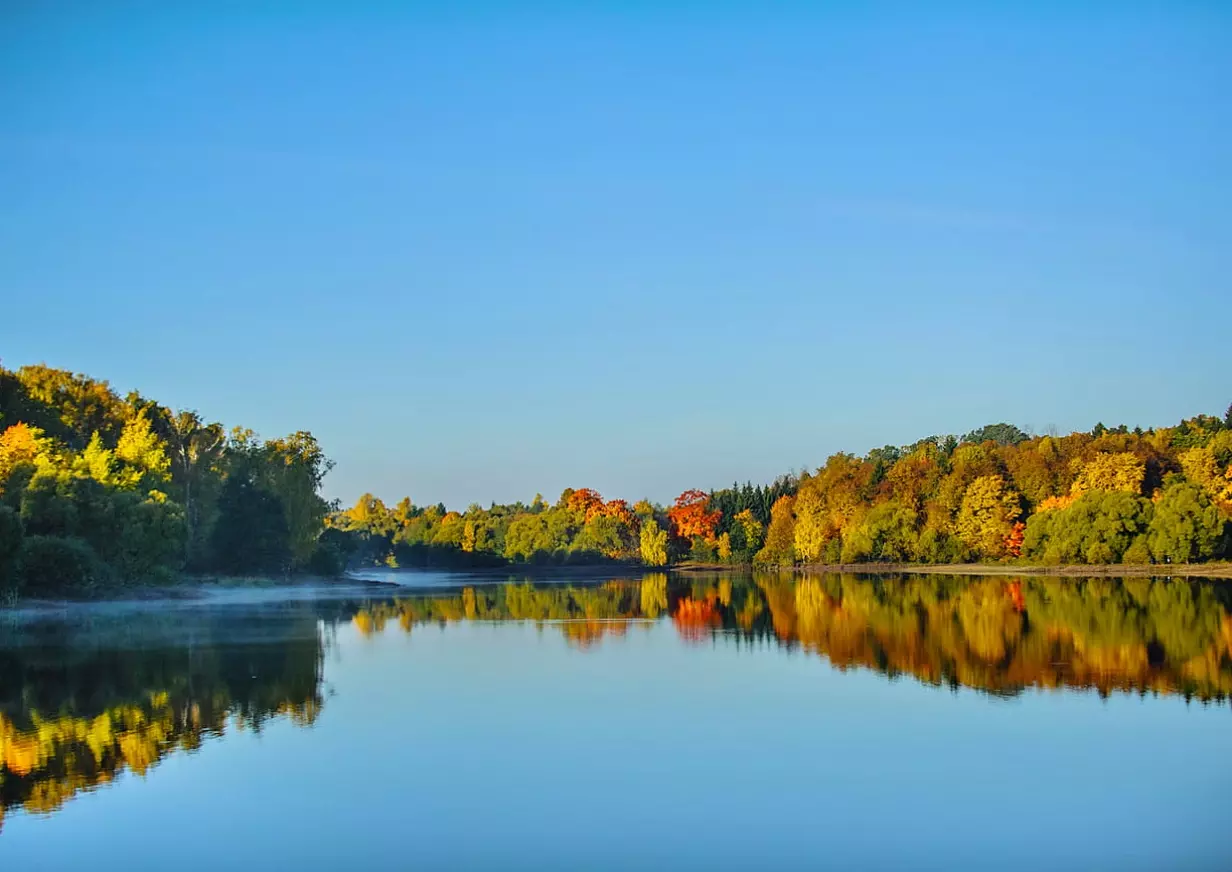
pixel 686 721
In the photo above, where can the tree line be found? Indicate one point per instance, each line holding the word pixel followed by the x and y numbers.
pixel 996 494
pixel 98 490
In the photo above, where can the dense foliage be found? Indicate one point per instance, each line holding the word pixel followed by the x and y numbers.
pixel 1108 496
pixel 97 490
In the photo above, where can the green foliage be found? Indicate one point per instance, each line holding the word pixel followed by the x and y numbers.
pixel 1002 434
pixel 57 564
pixel 10 548
pixel 250 535
pixel 327 560
pixel 152 491
pixel 1098 527
pixel 887 533
pixel 938 547
pixel 701 551
pixel 1186 526
pixel 151 541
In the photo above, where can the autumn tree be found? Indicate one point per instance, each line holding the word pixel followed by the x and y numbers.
pixel 691 516
pixel 653 541
pixel 987 515
pixel 811 524
pixel 780 544
pixel 1118 471
pixel 142 454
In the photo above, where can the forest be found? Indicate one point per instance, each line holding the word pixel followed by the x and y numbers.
pixel 99 490
pixel 994 495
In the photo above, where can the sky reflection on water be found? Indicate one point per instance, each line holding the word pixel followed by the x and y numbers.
pixel 326 733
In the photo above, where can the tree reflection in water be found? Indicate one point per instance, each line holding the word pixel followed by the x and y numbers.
pixel 81 704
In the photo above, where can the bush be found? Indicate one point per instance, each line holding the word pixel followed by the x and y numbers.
pixel 326 560
pixel 54 564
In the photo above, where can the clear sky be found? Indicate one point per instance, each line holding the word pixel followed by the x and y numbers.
pixel 484 250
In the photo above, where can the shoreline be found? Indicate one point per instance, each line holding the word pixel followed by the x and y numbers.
pixel 1215 569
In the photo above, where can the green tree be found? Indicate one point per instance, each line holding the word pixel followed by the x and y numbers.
pixel 10 547
pixel 250 534
pixel 195 449
pixel 293 471
pixel 1186 526
pixel 1098 527
pixel 1002 434
pixel 56 564
pixel 887 532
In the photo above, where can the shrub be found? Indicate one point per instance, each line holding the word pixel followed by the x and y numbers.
pixel 326 560
pixel 54 564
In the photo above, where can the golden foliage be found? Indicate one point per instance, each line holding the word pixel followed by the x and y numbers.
pixel 987 515
pixel 1110 471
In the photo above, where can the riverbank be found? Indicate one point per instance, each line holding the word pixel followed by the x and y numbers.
pixel 1214 569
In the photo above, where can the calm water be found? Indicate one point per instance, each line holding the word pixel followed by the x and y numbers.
pixel 683 722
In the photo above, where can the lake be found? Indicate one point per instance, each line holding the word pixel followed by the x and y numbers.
pixel 682 721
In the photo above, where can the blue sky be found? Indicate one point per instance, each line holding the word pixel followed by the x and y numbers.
pixel 484 250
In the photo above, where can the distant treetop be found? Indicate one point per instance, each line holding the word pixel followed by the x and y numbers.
pixel 1002 434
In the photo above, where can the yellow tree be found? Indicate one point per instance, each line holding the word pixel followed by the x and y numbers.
pixel 1202 468
pixel 143 453
pixel 780 544
pixel 369 514
pixel 95 462
pixel 810 529
pixel 1110 471
pixel 987 515
pixel 653 542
